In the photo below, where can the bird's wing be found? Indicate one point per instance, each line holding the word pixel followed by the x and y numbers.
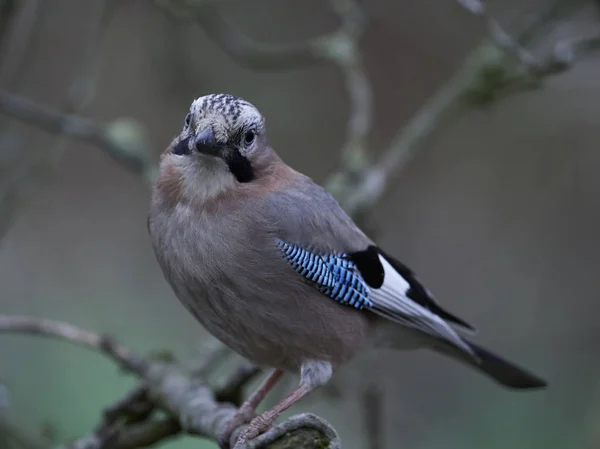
pixel 414 289
pixel 323 245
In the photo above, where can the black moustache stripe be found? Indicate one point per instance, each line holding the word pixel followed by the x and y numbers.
pixel 239 165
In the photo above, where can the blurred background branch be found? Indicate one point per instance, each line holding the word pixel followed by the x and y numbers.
pixel 486 77
pixel 64 331
pixel 30 174
pixel 123 139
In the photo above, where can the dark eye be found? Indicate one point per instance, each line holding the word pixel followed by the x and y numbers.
pixel 249 137
pixel 188 118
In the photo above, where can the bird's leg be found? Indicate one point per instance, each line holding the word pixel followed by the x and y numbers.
pixel 261 392
pixel 264 421
pixel 313 375
pixel 247 410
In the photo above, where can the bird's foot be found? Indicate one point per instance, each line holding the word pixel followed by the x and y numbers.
pixel 258 425
pixel 244 415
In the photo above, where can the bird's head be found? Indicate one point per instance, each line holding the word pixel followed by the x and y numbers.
pixel 222 145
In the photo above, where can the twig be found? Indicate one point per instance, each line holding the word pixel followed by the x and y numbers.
pixel 360 94
pixel 371 185
pixel 252 54
pixel 499 36
pixel 47 118
pixel 531 69
pixel 249 53
pixel 63 331
pixel 74 126
pixel 456 93
pixel 567 52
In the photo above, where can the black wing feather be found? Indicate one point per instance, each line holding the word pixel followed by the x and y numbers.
pixel 371 270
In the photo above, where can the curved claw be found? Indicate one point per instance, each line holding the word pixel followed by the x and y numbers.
pixel 258 425
pixel 243 416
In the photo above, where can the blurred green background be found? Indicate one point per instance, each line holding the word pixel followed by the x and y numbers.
pixel 498 213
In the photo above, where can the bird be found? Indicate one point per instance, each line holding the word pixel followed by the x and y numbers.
pixel 270 264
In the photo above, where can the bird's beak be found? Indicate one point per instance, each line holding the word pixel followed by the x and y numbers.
pixel 205 142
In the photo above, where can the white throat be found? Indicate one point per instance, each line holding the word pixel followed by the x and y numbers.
pixel 205 178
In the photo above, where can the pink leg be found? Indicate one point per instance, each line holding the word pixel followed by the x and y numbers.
pixel 263 421
pixel 259 394
pixel 247 409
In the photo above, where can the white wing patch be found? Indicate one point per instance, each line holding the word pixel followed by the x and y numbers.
pixel 391 302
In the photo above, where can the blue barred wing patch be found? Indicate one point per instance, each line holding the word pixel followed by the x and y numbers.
pixel 335 275
pixel 309 265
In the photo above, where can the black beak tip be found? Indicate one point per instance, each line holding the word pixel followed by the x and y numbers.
pixel 205 140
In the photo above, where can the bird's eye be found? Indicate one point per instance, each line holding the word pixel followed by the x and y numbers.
pixel 249 137
pixel 188 118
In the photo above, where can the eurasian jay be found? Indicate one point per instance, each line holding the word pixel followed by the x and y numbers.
pixel 273 267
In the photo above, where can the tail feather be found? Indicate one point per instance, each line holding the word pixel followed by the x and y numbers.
pixel 497 368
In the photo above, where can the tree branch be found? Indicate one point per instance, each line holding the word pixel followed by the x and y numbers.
pixel 498 35
pixel 120 140
pixel 483 78
pixel 496 81
pixel 63 331
pixel 190 403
